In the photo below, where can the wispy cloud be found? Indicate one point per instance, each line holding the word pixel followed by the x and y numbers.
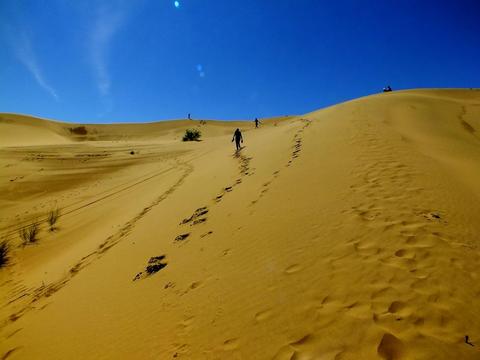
pixel 24 52
pixel 108 20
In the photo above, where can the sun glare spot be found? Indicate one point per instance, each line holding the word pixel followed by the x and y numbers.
pixel 177 4
pixel 200 70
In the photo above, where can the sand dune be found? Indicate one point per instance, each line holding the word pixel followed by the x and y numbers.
pixel 350 232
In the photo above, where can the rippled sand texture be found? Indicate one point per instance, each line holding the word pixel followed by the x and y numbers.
pixel 351 232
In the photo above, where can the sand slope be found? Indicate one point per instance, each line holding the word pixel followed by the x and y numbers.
pixel 351 232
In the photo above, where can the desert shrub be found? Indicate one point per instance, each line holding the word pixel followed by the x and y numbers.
pixel 52 218
pixel 3 253
pixel 29 234
pixel 192 135
pixel 79 130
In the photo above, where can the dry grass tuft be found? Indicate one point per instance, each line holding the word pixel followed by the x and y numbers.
pixel 29 234
pixel 52 218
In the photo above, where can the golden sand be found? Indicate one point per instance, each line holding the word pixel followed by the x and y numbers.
pixel 351 232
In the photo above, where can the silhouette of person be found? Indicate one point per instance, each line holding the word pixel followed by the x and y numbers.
pixel 237 136
pixel 256 123
pixel 387 89
pixel 189 118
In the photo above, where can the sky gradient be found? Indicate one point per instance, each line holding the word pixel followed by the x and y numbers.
pixel 146 60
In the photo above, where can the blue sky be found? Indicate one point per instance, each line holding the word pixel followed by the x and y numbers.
pixel 145 60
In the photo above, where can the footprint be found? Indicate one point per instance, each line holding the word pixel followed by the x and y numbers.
pixel 304 340
pixel 186 325
pixel 169 285
pixel 419 321
pixel 400 253
pixel 390 347
pixel 293 269
pixel 263 315
pixel 228 189
pixel 182 237
pixel 396 307
pixel 155 264
pixel 187 321
pixel 230 344
pixel 226 252
pixel 195 284
pixel 197 213
pixel 198 221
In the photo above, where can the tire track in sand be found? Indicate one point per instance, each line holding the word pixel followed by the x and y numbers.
pixel 31 297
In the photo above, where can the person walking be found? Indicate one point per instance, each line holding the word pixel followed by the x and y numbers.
pixel 256 123
pixel 237 136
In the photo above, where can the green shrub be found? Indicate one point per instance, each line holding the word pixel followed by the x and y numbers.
pixel 192 135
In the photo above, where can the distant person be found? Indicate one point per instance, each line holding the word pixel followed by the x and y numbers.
pixel 387 89
pixel 237 136
pixel 256 123
pixel 189 118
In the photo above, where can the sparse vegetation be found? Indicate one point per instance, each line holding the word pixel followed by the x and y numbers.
pixel 29 234
pixel 192 135
pixel 52 218
pixel 79 130
pixel 3 253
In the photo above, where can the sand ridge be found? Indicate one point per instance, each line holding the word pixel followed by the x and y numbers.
pixel 346 233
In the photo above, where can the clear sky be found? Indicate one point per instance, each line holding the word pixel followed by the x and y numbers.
pixel 145 60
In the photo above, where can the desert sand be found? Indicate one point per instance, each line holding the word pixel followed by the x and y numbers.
pixel 352 232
